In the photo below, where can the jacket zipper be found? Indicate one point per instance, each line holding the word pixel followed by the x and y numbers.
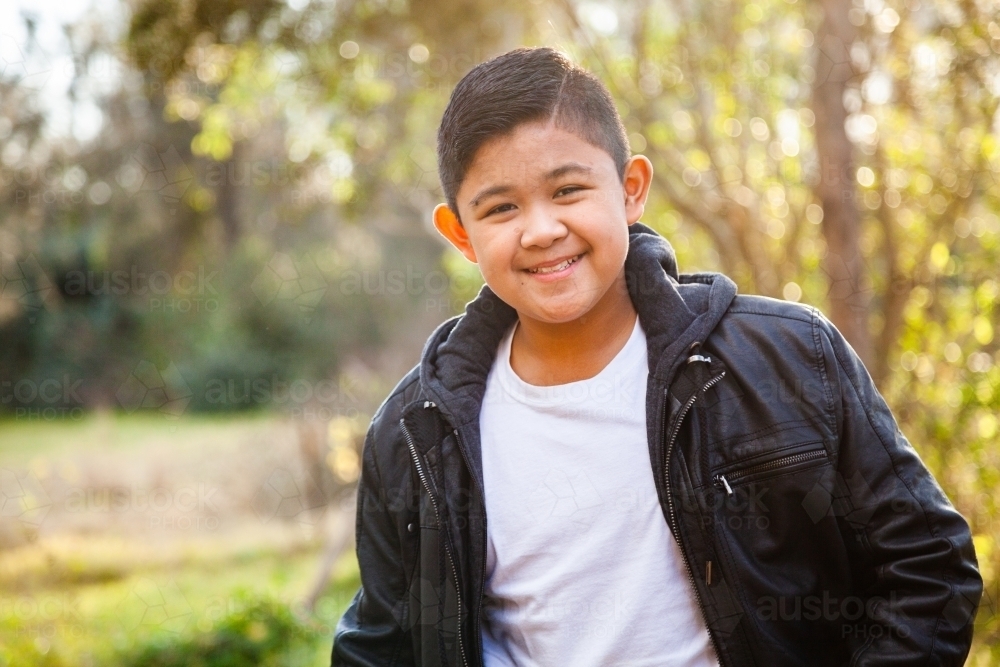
pixel 482 576
pixel 447 549
pixel 670 498
pixel 726 481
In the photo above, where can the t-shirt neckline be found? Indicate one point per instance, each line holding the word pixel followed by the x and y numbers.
pixel 631 354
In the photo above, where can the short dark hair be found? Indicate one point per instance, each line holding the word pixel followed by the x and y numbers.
pixel 520 86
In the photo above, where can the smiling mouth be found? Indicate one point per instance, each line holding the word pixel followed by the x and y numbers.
pixel 558 267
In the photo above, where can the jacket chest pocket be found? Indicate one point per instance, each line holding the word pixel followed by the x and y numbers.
pixel 784 461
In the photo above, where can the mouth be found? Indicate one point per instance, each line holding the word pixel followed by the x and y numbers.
pixel 555 268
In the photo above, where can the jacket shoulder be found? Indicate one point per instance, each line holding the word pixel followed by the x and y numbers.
pixel 777 366
pixel 384 437
pixel 405 392
pixel 764 306
pixel 759 328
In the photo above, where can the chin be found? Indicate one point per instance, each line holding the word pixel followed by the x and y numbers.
pixel 560 314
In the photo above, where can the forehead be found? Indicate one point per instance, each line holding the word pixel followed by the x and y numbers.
pixel 529 152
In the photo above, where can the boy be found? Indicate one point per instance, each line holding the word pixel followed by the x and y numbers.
pixel 605 462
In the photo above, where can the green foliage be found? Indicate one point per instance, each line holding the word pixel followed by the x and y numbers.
pixel 18 651
pixel 263 632
pixel 307 130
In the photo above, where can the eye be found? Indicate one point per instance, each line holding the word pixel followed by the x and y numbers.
pixel 497 209
pixel 569 189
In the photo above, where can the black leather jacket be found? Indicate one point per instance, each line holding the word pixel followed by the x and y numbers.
pixel 811 530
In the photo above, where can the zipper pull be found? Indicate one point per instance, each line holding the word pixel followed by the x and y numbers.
pixel 429 404
pixel 722 479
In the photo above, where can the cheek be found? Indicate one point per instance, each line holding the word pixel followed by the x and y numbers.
pixel 492 274
pixel 495 259
pixel 615 245
pixel 613 259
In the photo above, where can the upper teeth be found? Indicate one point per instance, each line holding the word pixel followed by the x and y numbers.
pixel 558 267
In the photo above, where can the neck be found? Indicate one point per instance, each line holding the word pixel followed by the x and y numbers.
pixel 546 354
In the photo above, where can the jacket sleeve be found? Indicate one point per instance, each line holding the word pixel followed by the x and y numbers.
pixel 920 569
pixel 373 630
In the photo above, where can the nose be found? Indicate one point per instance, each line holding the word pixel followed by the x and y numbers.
pixel 542 227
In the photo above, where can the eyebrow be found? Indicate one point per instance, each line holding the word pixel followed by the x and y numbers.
pixel 568 168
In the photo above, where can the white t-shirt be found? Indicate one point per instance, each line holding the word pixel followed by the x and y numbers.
pixel 581 567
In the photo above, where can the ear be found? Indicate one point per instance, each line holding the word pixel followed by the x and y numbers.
pixel 638 176
pixel 449 226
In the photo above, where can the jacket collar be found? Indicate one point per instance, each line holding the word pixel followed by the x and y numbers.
pixel 675 310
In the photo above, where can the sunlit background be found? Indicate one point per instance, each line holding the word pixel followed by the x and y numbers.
pixel 216 260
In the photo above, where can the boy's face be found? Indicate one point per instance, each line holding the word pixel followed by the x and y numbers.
pixel 546 217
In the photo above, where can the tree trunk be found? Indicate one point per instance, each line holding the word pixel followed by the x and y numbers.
pixel 233 188
pixel 849 288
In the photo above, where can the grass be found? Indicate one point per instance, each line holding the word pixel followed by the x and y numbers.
pixel 24 439
pixel 95 623
pixel 90 589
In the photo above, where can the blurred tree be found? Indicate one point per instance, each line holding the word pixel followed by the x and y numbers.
pixel 835 187
pixel 845 154
pixel 722 95
pixel 842 153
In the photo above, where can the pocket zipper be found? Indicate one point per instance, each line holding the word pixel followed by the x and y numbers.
pixel 726 481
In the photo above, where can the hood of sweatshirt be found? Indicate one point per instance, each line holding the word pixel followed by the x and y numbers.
pixel 675 311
